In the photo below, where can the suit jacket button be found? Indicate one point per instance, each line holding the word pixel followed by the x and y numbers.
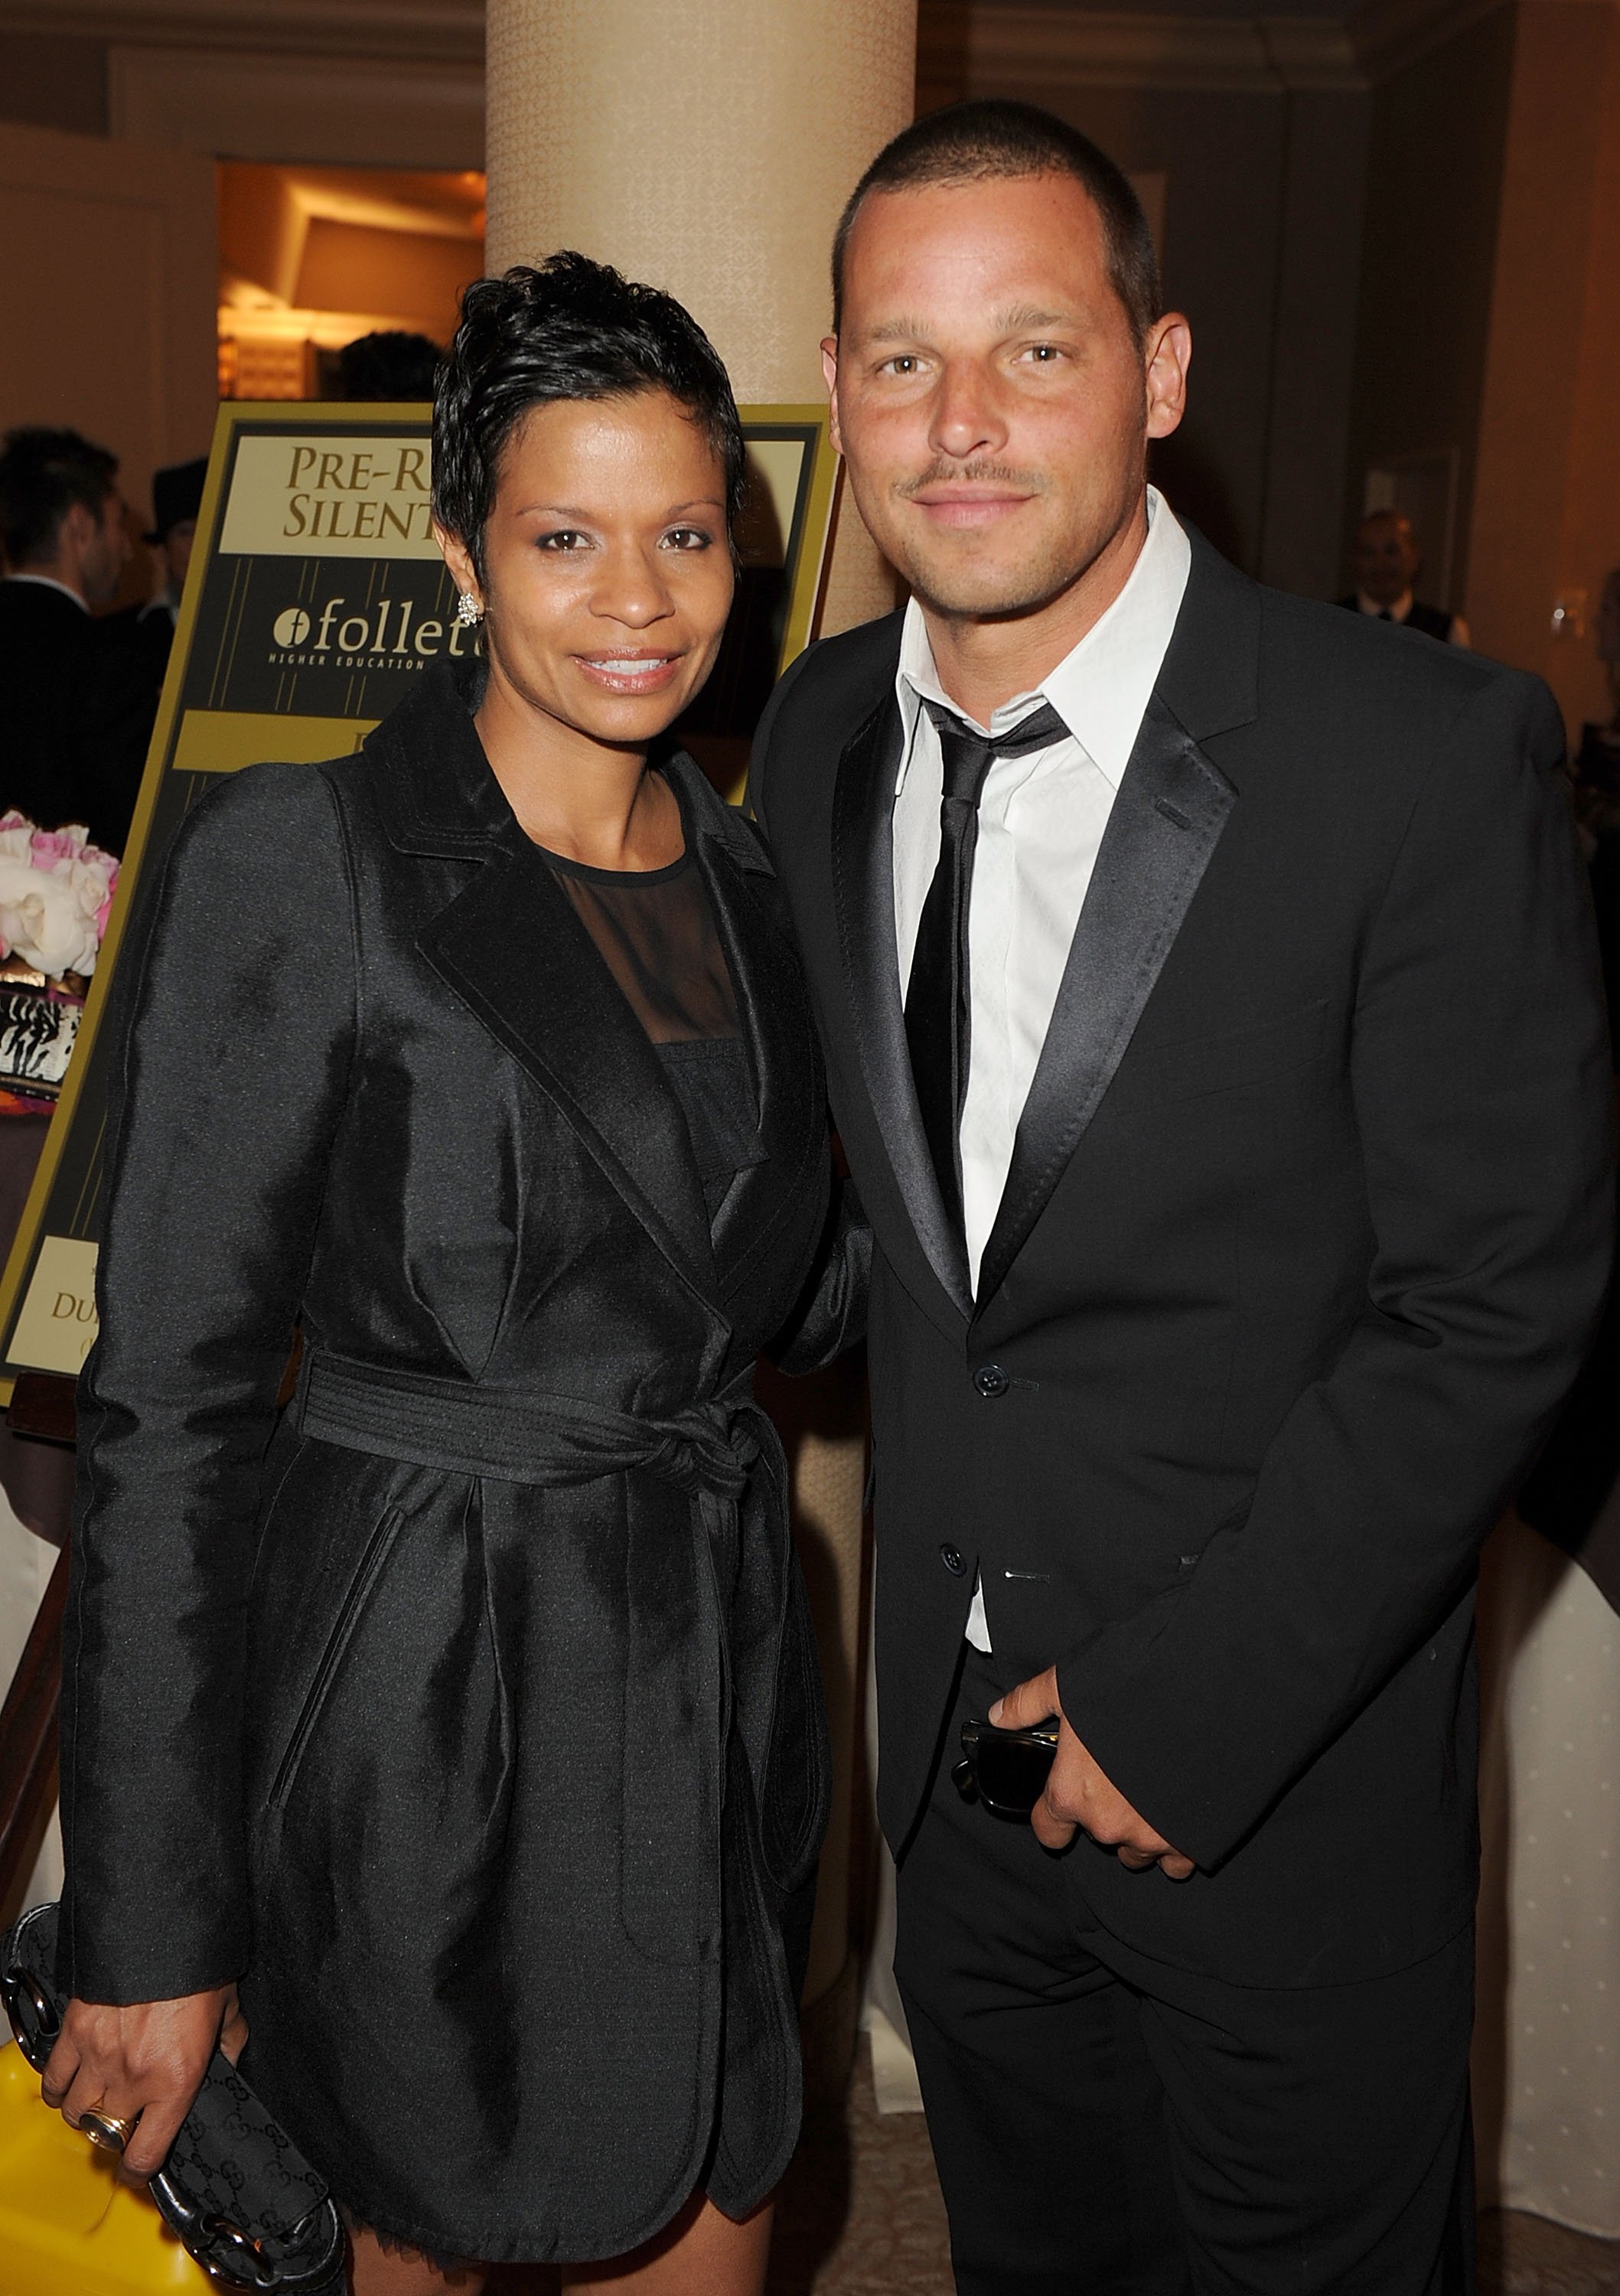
pixel 952 1557
pixel 991 1379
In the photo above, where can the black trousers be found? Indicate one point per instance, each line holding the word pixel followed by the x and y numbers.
pixel 1104 2123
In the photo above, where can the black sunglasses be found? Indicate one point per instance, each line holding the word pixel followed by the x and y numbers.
pixel 1006 1770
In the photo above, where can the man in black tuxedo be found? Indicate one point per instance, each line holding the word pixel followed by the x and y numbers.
pixel 1211 1012
pixel 77 702
pixel 1384 559
pixel 176 501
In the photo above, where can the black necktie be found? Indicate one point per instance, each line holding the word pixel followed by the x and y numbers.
pixel 937 998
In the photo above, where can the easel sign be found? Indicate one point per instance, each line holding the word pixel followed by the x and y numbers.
pixel 316 594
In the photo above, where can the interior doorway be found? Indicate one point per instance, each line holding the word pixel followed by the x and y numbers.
pixel 311 257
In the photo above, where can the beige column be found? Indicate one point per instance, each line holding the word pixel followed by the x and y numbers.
pixel 707 147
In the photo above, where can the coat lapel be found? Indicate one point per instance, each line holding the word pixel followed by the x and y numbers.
pixel 864 884
pixel 778 1026
pixel 1165 822
pixel 512 948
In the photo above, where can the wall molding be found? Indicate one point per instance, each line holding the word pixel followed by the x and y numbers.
pixel 1011 44
pixel 989 45
pixel 422 31
pixel 335 110
pixel 996 46
pixel 1390 34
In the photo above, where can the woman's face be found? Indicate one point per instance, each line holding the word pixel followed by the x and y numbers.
pixel 608 577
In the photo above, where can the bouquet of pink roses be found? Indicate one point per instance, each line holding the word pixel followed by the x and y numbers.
pixel 56 889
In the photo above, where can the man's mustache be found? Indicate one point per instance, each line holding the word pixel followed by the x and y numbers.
pixel 973 474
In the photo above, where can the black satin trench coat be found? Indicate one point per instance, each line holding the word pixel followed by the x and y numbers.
pixel 431 1759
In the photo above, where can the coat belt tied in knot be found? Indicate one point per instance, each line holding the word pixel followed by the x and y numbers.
pixel 530 1435
pixel 709 1447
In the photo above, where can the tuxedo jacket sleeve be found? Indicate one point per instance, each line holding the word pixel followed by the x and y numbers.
pixel 1473 1075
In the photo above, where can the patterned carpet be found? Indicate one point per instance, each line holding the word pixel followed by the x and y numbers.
pixel 860 2215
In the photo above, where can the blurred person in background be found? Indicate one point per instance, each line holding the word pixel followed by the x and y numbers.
pixel 391 364
pixel 1597 796
pixel 76 711
pixel 177 497
pixel 1598 760
pixel 1384 559
pixel 1567 1491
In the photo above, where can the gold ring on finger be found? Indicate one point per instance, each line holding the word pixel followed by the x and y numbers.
pixel 106 2129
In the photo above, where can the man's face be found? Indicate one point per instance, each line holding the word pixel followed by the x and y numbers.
pixel 1384 556
pixel 177 552
pixel 106 551
pixel 989 396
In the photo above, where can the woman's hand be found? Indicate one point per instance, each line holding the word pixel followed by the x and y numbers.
pixel 146 2060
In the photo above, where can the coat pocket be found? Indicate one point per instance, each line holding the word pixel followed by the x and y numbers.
pixel 378 1546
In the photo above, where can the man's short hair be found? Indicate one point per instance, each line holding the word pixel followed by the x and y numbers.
pixel 43 473
pixel 991 137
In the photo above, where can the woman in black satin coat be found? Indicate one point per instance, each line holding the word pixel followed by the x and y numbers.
pixel 465 1722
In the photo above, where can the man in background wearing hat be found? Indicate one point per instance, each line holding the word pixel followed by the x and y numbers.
pixel 177 497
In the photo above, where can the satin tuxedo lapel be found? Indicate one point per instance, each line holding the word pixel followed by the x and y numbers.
pixel 863 882
pixel 1166 820
pixel 778 1025
pixel 510 946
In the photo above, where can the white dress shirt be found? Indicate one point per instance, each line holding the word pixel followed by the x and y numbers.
pixel 1041 819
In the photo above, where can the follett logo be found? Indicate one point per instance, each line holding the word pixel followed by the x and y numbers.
pixel 390 634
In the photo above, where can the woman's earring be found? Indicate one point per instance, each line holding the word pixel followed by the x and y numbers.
pixel 468 610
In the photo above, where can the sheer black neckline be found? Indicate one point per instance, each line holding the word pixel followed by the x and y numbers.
pixel 627 877
pixel 655 931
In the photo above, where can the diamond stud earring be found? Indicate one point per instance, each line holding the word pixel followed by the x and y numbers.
pixel 468 610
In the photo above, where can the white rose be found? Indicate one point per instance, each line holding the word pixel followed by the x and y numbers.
pixel 48 919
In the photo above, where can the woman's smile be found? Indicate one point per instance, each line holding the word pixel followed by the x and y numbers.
pixel 630 673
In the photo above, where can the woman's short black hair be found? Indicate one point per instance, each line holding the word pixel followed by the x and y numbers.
pixel 565 329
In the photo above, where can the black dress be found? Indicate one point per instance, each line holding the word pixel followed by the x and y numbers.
pixel 469 1712
pixel 655 931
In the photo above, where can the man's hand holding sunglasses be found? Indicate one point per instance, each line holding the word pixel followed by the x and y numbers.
pixel 1077 1792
